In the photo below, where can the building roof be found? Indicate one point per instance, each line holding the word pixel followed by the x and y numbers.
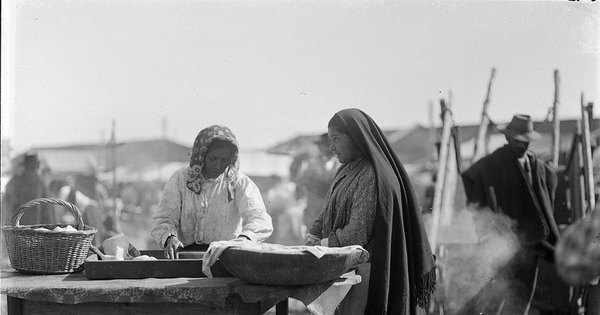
pixel 135 155
pixel 418 144
pixel 294 146
pixel 147 160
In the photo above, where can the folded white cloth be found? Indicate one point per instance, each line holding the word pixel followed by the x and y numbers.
pixel 215 249
pixel 328 301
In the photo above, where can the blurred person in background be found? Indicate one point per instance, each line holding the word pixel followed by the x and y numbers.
pixel 210 200
pixel 130 196
pixel 371 203
pixel 285 210
pixel 514 182
pixel 91 210
pixel 26 185
pixel 313 180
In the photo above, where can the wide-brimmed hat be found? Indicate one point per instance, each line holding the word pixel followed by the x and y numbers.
pixel 521 128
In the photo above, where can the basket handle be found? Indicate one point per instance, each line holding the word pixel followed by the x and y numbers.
pixel 55 201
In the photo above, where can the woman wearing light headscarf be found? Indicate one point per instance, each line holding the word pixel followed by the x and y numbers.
pixel 210 200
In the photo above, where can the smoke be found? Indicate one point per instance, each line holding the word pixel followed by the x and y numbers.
pixel 472 249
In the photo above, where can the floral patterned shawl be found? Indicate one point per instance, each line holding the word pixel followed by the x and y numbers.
pixel 205 137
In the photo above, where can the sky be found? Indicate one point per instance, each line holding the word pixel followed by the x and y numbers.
pixel 272 70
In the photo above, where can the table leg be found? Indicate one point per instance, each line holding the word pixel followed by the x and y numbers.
pixel 13 305
pixel 282 308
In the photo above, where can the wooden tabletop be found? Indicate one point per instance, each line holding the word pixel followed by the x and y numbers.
pixel 76 288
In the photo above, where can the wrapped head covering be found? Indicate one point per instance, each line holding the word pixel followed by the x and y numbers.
pixel 205 137
pixel 403 267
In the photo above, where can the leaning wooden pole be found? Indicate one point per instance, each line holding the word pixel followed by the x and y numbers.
pixel 588 173
pixel 113 153
pixel 555 122
pixel 432 135
pixel 436 208
pixel 480 148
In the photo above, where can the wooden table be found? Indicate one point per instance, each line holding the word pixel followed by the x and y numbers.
pixel 75 294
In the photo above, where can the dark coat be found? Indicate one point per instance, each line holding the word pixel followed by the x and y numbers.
pixel 22 188
pixel 498 182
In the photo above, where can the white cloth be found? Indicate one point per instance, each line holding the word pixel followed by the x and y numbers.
pixel 215 250
pixel 209 216
pixel 328 301
pixel 355 301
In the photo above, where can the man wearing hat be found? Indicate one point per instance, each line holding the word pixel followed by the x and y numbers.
pixel 26 185
pixel 514 182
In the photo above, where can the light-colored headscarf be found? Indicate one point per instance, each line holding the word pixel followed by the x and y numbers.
pixel 205 137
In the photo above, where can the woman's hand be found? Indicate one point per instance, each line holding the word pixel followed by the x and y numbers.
pixel 171 246
pixel 325 242
pixel 243 237
pixel 312 240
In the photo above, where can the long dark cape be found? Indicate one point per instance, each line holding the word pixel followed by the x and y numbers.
pixel 403 267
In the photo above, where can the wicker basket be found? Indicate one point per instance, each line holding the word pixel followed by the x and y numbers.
pixel 47 252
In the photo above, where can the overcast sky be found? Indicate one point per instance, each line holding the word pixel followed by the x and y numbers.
pixel 271 70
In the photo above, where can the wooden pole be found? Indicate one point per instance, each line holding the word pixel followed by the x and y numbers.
pixel 577 178
pixel 113 151
pixel 556 122
pixel 432 137
pixel 480 148
pixel 588 173
pixel 450 180
pixel 450 177
pixel 441 173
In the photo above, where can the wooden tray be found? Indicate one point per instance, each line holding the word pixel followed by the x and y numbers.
pixel 189 265
pixel 273 264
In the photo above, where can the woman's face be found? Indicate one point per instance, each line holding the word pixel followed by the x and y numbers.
pixel 342 146
pixel 216 161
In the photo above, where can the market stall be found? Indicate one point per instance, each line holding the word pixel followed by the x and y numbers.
pixel 53 273
pixel 76 294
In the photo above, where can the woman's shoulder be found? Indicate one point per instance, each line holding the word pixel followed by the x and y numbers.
pixel 243 179
pixel 180 174
pixel 245 183
pixel 366 168
pixel 183 170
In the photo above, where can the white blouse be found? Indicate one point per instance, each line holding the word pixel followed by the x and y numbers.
pixel 209 216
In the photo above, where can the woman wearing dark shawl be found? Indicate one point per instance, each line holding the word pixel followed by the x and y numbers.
pixel 371 203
